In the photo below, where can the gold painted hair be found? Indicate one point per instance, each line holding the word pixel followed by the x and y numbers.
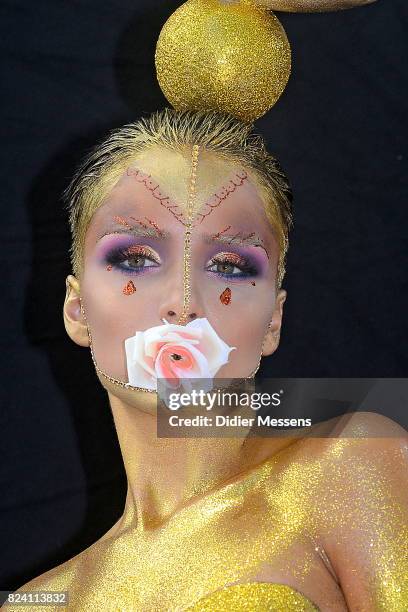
pixel 217 132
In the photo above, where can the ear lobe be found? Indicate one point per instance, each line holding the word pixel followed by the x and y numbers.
pixel 272 336
pixel 271 342
pixel 74 320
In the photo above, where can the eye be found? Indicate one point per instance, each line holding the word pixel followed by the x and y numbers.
pixel 225 268
pixel 229 265
pixel 134 259
pixel 138 261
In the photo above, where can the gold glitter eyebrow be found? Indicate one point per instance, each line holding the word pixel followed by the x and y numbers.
pixel 144 232
pixel 239 238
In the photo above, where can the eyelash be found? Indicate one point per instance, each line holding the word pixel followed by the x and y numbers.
pixel 117 258
pixel 247 269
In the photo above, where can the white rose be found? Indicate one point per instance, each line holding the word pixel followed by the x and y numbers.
pixel 175 352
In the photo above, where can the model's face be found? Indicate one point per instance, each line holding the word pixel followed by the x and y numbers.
pixel 134 272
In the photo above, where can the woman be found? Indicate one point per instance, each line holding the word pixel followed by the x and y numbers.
pixel 180 222
pixel 326 518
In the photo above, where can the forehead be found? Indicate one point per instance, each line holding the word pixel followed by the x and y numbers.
pixel 159 184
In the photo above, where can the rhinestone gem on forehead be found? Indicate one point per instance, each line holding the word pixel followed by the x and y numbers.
pixel 187 236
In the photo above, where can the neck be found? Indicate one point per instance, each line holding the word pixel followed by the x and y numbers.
pixel 166 474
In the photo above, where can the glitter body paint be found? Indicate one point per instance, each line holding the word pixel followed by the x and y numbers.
pixel 259 531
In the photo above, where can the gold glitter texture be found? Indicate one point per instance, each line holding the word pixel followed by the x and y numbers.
pixel 166 174
pixel 154 188
pixel 273 516
pixel 187 237
pixel 307 6
pixel 234 58
pixel 254 596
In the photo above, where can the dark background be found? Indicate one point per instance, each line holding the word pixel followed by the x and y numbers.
pixel 75 69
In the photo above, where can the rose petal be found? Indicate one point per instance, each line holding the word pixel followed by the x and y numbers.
pixel 148 354
pixel 215 349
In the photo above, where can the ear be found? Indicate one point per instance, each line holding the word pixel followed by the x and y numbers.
pixel 271 340
pixel 74 320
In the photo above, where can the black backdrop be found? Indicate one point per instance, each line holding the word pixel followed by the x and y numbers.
pixel 75 69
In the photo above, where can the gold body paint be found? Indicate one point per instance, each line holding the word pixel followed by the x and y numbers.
pixel 263 526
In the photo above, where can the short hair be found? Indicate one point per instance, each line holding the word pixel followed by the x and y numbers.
pixel 217 132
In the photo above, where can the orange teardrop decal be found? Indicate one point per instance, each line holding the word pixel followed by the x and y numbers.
pixel 225 296
pixel 129 288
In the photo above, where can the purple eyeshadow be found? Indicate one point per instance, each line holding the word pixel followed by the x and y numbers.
pixel 112 245
pixel 115 242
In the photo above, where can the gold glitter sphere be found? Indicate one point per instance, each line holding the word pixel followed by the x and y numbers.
pixel 227 56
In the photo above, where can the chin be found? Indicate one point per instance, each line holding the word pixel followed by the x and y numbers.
pixel 132 396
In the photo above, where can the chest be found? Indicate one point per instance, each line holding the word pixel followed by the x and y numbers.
pixel 229 540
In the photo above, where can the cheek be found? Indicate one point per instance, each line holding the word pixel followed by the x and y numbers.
pixel 112 316
pixel 243 322
pixel 246 320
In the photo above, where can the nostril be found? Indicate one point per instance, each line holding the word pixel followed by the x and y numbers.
pixel 193 315
pixel 171 313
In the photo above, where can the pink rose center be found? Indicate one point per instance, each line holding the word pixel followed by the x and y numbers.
pixel 177 356
pixel 172 360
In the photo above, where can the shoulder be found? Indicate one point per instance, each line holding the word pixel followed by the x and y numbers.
pixel 58 578
pixel 365 453
pixel 362 510
pixel 374 442
pixel 371 424
pixel 355 435
pixel 338 450
pixel 68 575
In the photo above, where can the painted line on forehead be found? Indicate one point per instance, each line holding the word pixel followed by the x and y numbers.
pixel 236 181
pixel 154 188
pixel 151 223
pixel 215 236
pixel 154 224
pixel 122 221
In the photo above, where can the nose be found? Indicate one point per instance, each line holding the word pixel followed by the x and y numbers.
pixel 181 287
pixel 172 307
pixel 172 316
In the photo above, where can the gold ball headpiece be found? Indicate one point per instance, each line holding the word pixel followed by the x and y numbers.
pixel 232 57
